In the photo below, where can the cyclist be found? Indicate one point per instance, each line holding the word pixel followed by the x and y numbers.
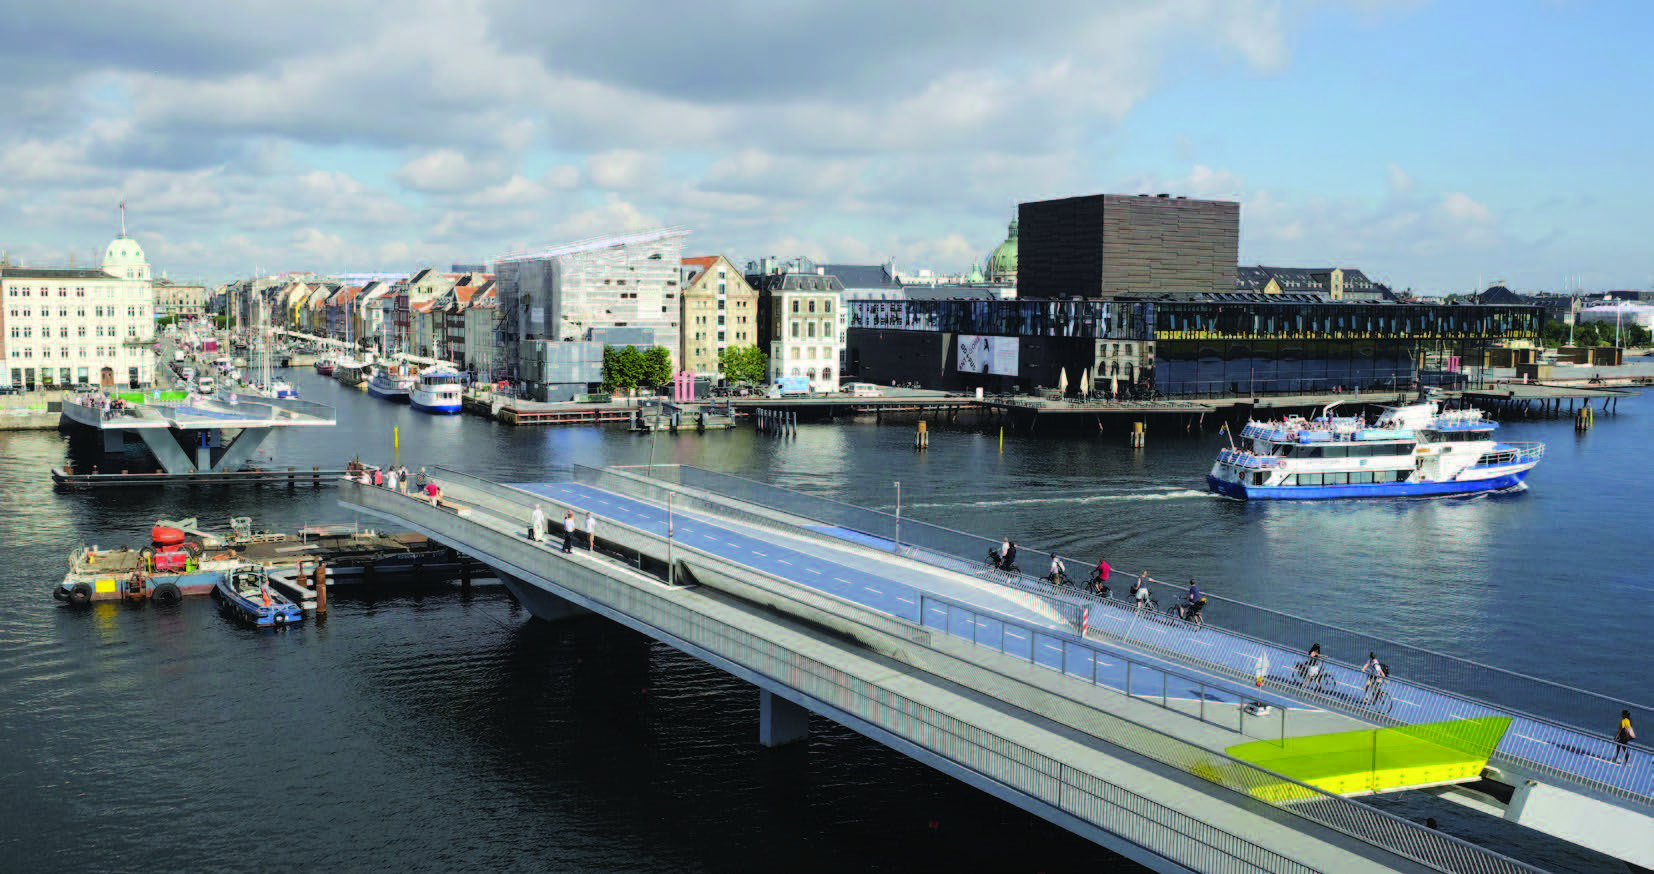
pixel 1099 578
pixel 1059 574
pixel 1375 675
pixel 1008 559
pixel 1140 591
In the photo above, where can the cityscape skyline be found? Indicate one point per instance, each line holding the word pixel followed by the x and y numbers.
pixel 1438 147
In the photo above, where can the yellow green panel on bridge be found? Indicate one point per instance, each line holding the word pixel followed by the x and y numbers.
pixel 1376 760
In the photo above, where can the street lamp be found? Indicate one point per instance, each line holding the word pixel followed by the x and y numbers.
pixel 898 513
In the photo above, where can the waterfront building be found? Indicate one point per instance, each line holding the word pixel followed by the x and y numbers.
pixel 483 355
pixel 180 300
pixel 719 310
pixel 798 325
pixel 1175 344
pixel 368 313
pixel 1108 245
pixel 563 292
pixel 861 282
pixel 420 333
pixel 65 326
pixel 1336 283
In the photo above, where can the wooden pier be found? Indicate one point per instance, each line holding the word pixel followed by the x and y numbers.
pixel 70 478
pixel 565 415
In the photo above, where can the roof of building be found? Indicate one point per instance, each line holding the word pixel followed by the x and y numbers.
pixel 862 275
pixel 951 292
pixel 773 282
pixel 422 306
pixel 594 243
pixel 1499 294
pixel 1002 262
pixel 55 273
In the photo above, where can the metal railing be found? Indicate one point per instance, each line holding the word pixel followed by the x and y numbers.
pixel 1453 682
pixel 1079 793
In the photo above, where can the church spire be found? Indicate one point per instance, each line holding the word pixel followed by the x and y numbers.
pixel 123 216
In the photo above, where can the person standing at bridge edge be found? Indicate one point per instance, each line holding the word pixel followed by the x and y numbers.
pixel 537 524
pixel 591 531
pixel 1623 738
pixel 568 531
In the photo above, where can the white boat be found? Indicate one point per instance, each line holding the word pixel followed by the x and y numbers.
pixel 281 388
pixel 1417 450
pixel 437 391
pixel 392 383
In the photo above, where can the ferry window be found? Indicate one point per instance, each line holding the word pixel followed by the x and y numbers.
pixel 1290 480
pixel 1361 476
pixel 1258 478
pixel 1309 479
pixel 1337 479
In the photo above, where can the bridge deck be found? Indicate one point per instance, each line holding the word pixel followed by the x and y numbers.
pixel 846 571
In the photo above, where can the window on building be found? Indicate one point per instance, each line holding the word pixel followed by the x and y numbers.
pixel 810 329
pixel 795 309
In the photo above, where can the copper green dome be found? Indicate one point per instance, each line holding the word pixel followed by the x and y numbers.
pixel 1002 264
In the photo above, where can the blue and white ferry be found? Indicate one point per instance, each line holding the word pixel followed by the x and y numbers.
pixel 1417 450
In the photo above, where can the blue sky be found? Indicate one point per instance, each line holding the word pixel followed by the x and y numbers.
pixel 1437 146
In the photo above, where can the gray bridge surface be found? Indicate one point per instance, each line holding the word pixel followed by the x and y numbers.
pixel 1111 731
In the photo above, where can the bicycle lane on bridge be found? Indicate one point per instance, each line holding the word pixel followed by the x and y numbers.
pixel 867 581
pixel 1571 751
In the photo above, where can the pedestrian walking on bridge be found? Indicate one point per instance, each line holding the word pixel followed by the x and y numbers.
pixel 568 531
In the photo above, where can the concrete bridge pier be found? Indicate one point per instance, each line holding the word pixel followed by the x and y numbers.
pixel 539 602
pixel 780 721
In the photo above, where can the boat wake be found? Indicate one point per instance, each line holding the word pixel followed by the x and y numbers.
pixel 1173 495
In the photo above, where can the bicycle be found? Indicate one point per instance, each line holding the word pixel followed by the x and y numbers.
pixel 1377 699
pixel 1188 613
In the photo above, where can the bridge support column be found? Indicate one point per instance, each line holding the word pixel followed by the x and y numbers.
pixel 780 721
pixel 165 447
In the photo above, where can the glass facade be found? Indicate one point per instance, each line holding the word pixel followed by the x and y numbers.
pixel 1223 347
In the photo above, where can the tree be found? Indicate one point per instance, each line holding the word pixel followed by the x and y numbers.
pixel 627 367
pixel 744 364
pixel 657 366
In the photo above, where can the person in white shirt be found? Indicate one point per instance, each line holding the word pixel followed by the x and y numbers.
pixel 1058 575
pixel 568 531
pixel 537 524
pixel 591 531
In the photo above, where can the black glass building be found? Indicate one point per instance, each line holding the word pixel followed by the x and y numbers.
pixel 1176 346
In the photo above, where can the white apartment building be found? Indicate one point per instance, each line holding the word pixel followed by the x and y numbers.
pixel 799 326
pixel 63 326
pixel 563 292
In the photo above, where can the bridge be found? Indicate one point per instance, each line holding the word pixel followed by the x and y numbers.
pixel 182 431
pixel 1179 747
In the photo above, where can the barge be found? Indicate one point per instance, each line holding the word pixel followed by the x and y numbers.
pixel 182 561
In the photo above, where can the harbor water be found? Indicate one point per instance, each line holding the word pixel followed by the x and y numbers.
pixel 440 728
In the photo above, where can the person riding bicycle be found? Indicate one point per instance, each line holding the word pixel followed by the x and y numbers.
pixel 1008 560
pixel 1140 590
pixel 1375 675
pixel 1099 578
pixel 1059 573
pixel 1100 575
pixel 1193 603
